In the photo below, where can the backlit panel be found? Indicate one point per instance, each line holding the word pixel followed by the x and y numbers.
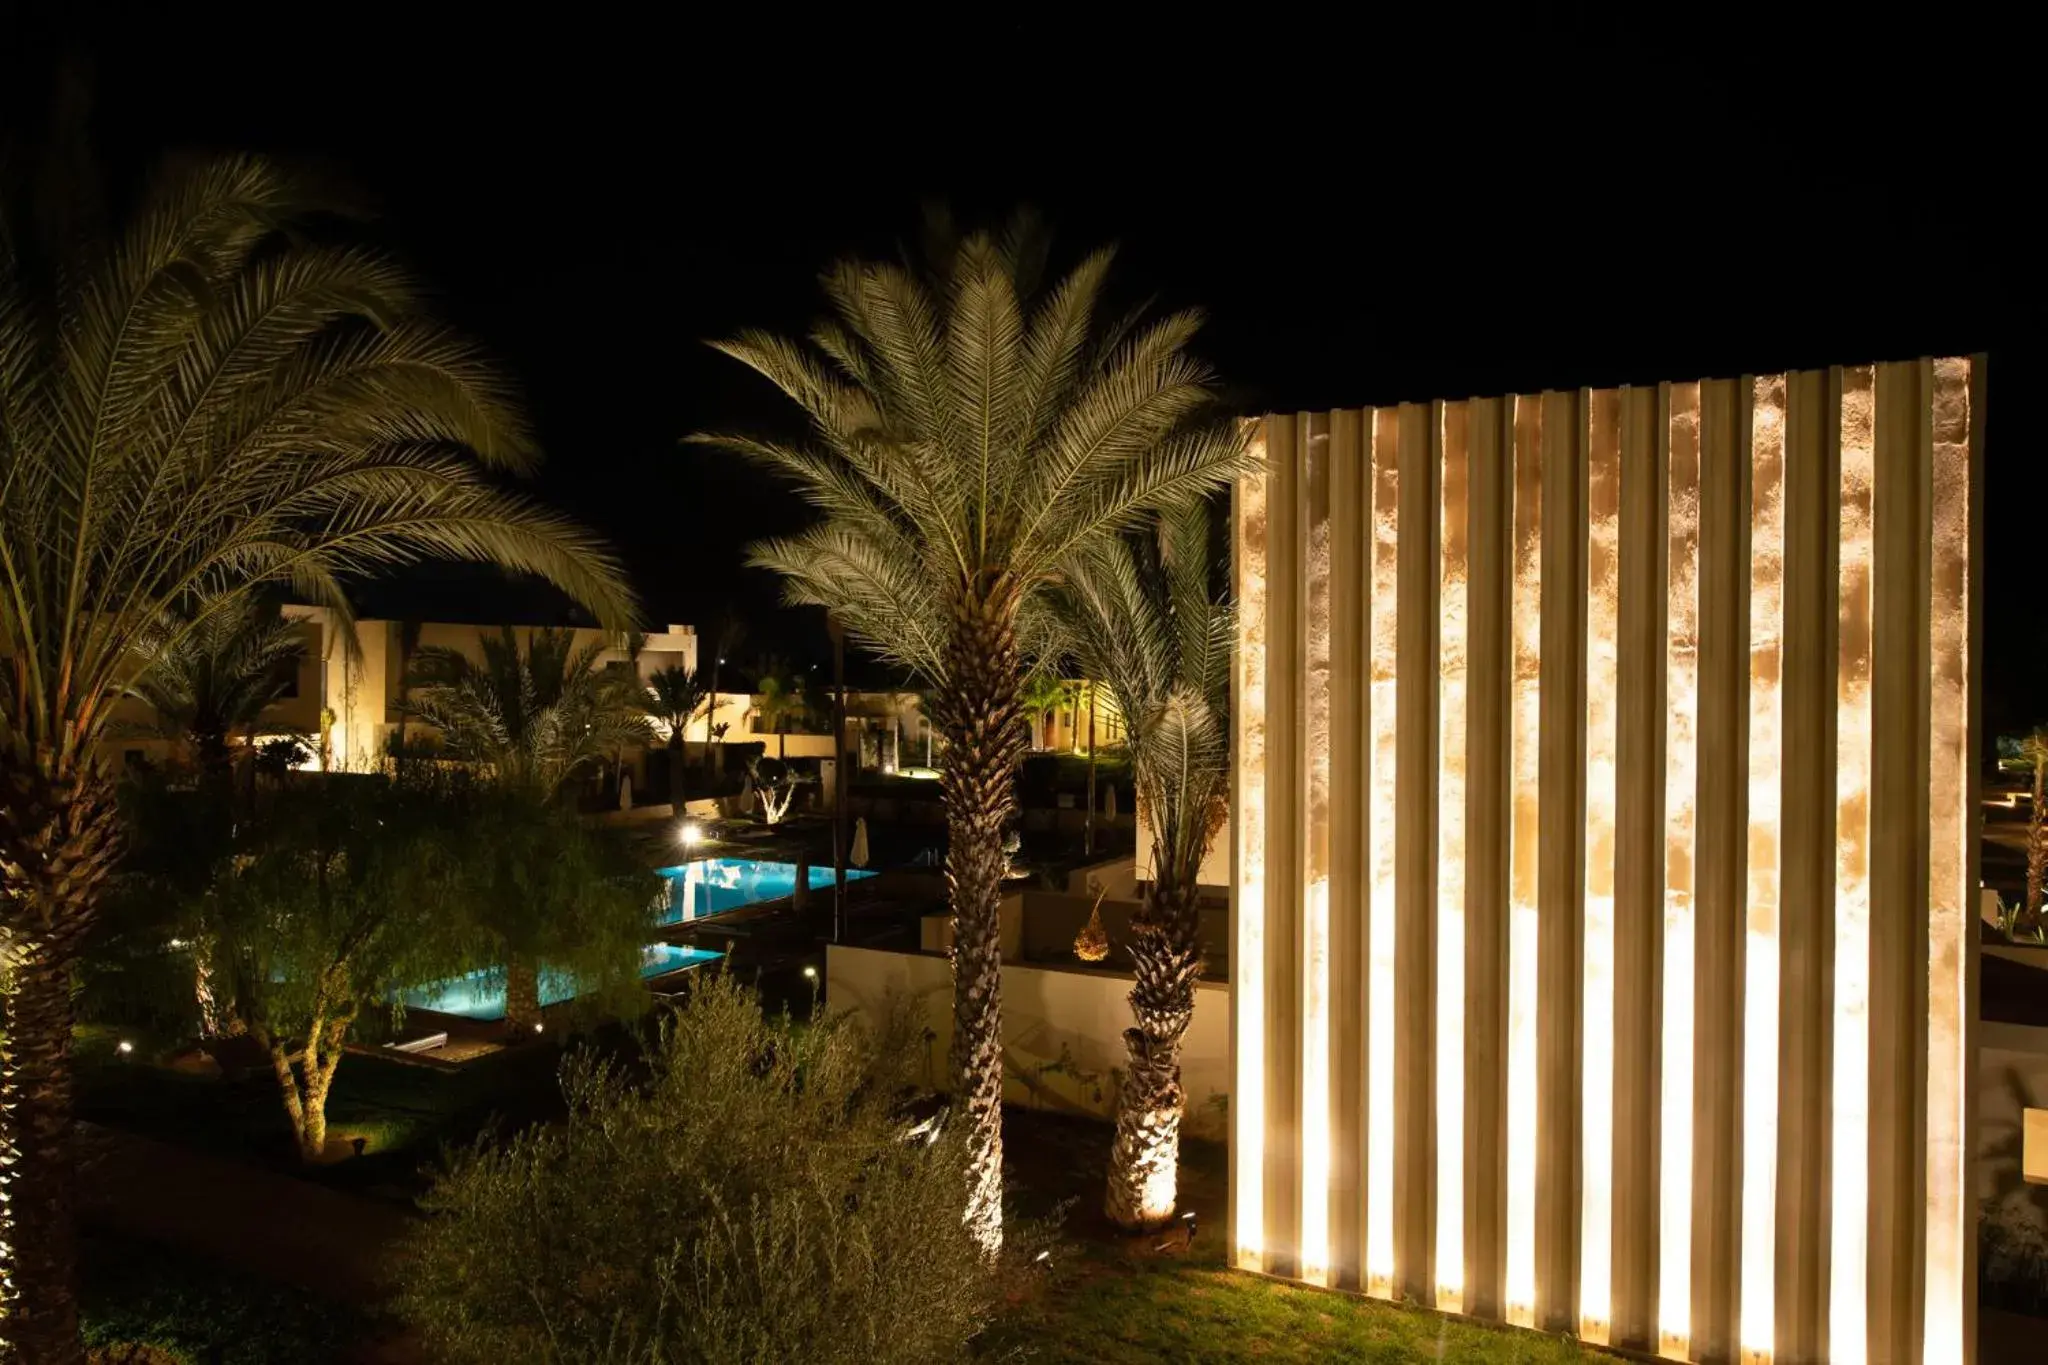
pixel 1681 793
pixel 1379 1047
pixel 1355 1217
pixel 1450 942
pixel 1760 940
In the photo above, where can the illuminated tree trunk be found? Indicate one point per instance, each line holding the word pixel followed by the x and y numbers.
pixel 986 737
pixel 57 842
pixel 522 995
pixel 2029 918
pixel 1166 953
pixel 304 1090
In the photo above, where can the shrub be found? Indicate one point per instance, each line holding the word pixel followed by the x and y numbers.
pixel 755 1192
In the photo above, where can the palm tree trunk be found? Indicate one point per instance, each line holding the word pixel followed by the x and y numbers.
pixel 986 735
pixel 1166 952
pixel 57 842
pixel 522 994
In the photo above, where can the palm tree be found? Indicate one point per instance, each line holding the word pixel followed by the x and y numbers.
pixel 783 700
pixel 674 697
pixel 530 720
pixel 206 401
pixel 969 435
pixel 215 682
pixel 1044 692
pixel 2034 749
pixel 1141 618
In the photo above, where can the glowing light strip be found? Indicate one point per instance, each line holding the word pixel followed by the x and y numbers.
pixel 1379 1147
pixel 1758 1312
pixel 1950 1220
pixel 1248 1092
pixel 1849 1199
pixel 1603 653
pixel 1681 683
pixel 1450 941
pixel 1525 703
pixel 1315 1034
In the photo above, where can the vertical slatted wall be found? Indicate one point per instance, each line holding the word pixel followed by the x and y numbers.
pixel 1604 860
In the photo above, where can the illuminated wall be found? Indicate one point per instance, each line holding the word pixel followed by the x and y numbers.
pixel 1604 843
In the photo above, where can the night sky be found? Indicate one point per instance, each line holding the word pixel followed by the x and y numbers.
pixel 1368 216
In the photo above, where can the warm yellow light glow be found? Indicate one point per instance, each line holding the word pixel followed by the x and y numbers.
pixel 1950 1220
pixel 1603 653
pixel 1525 703
pixel 1248 965
pixel 1758 1317
pixel 1315 1088
pixel 1450 934
pixel 1379 1071
pixel 1681 749
pixel 1315 923
pixel 1848 1245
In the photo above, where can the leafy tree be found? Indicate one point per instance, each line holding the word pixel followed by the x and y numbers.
pixel 532 720
pixel 212 684
pixel 1140 617
pixel 204 399
pixel 674 697
pixel 543 892
pixel 336 899
pixel 970 434
pixel 753 1198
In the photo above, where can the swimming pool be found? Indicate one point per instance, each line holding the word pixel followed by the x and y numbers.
pixel 711 886
pixel 481 994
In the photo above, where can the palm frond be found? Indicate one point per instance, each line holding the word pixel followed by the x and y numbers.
pixel 972 434
pixel 213 401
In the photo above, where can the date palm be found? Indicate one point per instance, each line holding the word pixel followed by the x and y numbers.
pixel 969 434
pixel 1139 615
pixel 206 400
pixel 214 682
pixel 674 697
pixel 530 720
pixel 1044 693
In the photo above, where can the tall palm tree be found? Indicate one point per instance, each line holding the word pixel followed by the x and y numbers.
pixel 531 720
pixel 215 682
pixel 204 401
pixel 970 433
pixel 1140 617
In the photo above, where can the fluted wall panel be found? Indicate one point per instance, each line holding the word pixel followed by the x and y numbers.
pixel 1603 859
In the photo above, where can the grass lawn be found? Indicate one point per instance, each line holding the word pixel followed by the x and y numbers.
pixel 1114 1300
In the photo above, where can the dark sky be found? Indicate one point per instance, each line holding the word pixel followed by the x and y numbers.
pixel 1368 215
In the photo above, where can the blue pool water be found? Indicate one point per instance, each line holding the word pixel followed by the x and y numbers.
pixel 711 886
pixel 481 994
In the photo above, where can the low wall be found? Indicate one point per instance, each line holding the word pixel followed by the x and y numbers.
pixel 1053 921
pixel 1063 1046
pixel 2012 1077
